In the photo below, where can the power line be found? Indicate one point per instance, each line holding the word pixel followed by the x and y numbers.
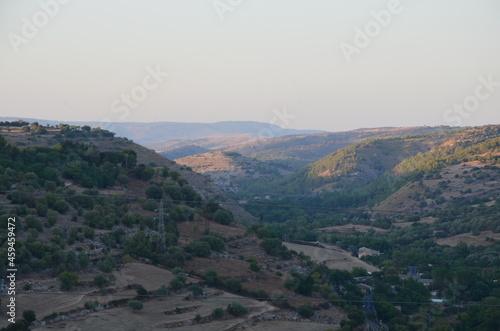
pixel 246 297
pixel 162 246
pixel 231 203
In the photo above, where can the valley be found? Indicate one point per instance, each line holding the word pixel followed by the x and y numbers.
pixel 303 233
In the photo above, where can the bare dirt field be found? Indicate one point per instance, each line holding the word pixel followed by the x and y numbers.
pixel 292 326
pixel 334 257
pixel 149 276
pixel 250 281
pixel 208 162
pixel 192 231
pixel 162 314
pixel 45 298
pixel 470 239
pixel 427 220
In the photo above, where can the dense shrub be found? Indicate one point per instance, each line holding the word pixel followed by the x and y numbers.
pixel 306 311
pixel 154 192
pixel 218 313
pixel 211 277
pixel 236 309
pixel 223 216
pixel 233 284
pixel 100 280
pixel 199 248
pixel 29 316
pixel 68 280
pixel 215 242
pixel 135 305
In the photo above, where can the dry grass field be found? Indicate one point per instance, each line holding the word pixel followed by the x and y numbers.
pixel 291 326
pixel 349 228
pixel 171 312
pixel 334 257
pixel 427 220
pixel 45 298
pixel 455 181
pixel 469 239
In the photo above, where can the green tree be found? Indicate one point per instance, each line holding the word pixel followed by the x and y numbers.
pixel 32 222
pixel 173 191
pixel 356 315
pixel 254 267
pixel 61 206
pixel 91 304
pixel 154 192
pixel 135 305
pixel 177 283
pixel 174 175
pixel 197 290
pixel 218 313
pixel 223 216
pixel 100 280
pixel 216 243
pixel 29 315
pixel 236 309
pixel 233 284
pixel 68 280
pixel 306 310
pixel 211 277
pixel 199 248
pixel 300 283
pixel 273 246
pixel 183 213
pixel 19 325
pixel 141 291
pixel 189 194
pixel 359 272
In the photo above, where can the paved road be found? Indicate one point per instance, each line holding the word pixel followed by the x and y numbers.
pixel 368 304
pixel 373 326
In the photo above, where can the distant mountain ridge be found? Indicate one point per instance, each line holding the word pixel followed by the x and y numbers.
pixel 291 152
pixel 184 151
pixel 325 156
pixel 301 150
pixel 373 157
pixel 153 133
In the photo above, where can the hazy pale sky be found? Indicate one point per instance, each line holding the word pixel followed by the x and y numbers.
pixel 332 64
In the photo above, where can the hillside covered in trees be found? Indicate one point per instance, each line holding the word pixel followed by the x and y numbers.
pixel 424 215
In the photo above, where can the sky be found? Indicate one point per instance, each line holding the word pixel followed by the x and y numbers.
pixel 329 65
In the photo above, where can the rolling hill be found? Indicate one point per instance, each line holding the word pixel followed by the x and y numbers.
pixel 374 157
pixel 206 188
pixel 228 169
pixel 86 207
pixel 275 158
pixel 300 150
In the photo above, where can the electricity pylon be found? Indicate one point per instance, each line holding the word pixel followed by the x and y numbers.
pixel 162 246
